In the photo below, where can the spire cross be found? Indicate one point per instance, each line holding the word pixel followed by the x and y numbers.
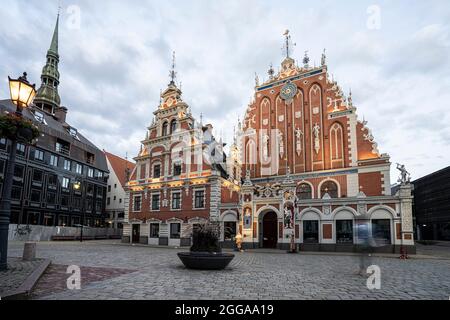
pixel 288 44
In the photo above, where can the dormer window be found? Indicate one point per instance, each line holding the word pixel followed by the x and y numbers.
pixel 39 116
pixel 73 132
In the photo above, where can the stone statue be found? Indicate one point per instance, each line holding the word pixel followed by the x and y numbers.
pixel 266 139
pixel 405 177
pixel 287 218
pixel 316 132
pixel 281 143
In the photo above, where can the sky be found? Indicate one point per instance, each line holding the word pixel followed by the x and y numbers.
pixel 116 56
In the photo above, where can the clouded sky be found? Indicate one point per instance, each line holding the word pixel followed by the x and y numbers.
pixel 116 55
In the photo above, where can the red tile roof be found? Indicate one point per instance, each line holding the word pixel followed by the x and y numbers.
pixel 120 166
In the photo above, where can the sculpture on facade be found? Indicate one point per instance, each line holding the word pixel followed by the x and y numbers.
pixel 316 132
pixel 287 218
pixel 266 146
pixel 405 176
pixel 280 144
pixel 298 135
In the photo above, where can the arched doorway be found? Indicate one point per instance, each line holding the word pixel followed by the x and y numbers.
pixel 269 230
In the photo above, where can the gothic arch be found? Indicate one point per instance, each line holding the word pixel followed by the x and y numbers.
pixel 336 138
pixel 314 211
pixel 251 154
pixel 310 184
pixel 228 213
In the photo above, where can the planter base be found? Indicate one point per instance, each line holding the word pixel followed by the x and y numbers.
pixel 205 260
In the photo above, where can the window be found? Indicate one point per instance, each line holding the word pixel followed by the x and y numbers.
pixel 65 183
pixel 381 231
pixel 35 195
pixel 90 158
pixel 2 165
pixel 155 201
pixel 38 155
pixel 109 188
pixel 98 206
pixel 173 126
pixel 16 193
pixel 89 205
pixel 164 129
pixel 176 200
pixel 78 168
pixel 137 203
pixel 76 202
pixel 65 200
pixel 49 220
pixel 33 218
pixel 344 231
pixel 53 160
pixel 63 221
pixel 90 173
pixel 62 146
pixel 229 230
pixel 37 175
pixel 99 174
pixel 2 143
pixel 90 189
pixel 18 171
pixel 39 116
pixel 115 197
pixel 67 165
pixel 20 149
pixel 154 230
pixel 199 199
pixel 311 231
pixel 329 187
pixel 100 192
pixel 51 198
pixel 115 185
pixel 52 180
pixel 108 201
pixel 175 229
pixel 304 191
pixel 157 171
pixel 177 169
pixel 120 200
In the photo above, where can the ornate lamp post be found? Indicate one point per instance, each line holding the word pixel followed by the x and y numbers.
pixel 22 95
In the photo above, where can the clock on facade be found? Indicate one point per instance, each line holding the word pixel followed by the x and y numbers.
pixel 288 91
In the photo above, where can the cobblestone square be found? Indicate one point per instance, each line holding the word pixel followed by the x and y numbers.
pixel 110 270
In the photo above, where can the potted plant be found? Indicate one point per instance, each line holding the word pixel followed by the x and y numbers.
pixel 13 127
pixel 206 252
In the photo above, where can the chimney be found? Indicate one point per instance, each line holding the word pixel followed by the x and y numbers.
pixel 61 114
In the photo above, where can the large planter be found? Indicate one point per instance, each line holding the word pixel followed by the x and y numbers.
pixel 205 260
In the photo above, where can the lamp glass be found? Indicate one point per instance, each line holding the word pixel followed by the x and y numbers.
pixel 22 93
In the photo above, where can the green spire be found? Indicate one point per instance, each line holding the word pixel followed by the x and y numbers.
pixel 54 44
pixel 47 97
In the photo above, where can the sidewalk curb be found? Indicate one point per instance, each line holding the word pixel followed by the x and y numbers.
pixel 25 289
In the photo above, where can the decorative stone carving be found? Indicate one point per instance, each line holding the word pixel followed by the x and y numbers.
pixel 265 122
pixel 268 191
pixel 298 144
pixel 298 115
pixel 266 140
pixel 316 132
pixel 280 144
pixel 281 118
pixel 405 177
pixel 327 210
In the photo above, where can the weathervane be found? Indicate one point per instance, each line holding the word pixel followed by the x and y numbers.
pixel 288 44
pixel 173 74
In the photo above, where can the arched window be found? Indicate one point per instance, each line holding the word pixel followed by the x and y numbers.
pixel 329 187
pixel 304 191
pixel 173 126
pixel 164 129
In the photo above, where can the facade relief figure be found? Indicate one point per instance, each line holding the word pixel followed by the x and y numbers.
pixel 280 144
pixel 405 176
pixel 287 218
pixel 265 140
pixel 316 132
pixel 298 135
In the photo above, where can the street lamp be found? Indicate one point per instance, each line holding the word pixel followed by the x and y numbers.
pixel 22 95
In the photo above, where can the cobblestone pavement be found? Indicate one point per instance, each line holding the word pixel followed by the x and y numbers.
pixel 161 275
pixel 18 270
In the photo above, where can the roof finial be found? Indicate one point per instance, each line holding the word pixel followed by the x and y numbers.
pixel 201 118
pixel 288 44
pixel 256 79
pixel 306 60
pixel 324 58
pixel 350 99
pixel 271 72
pixel 173 74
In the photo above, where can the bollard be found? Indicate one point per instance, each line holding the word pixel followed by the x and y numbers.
pixel 29 251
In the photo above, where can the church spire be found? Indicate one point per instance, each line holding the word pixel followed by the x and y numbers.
pixel 47 97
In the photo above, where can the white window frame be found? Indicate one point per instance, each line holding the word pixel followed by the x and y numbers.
pixel 65 183
pixel 193 198
pixel 90 172
pixel 67 165
pixel 78 166
pixel 40 152
pixel 53 160
pixel 151 201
